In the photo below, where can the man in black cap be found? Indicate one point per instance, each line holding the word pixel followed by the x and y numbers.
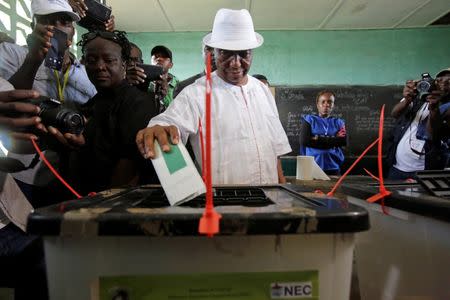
pixel 162 56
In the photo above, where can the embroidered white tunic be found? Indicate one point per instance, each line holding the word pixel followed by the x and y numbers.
pixel 247 135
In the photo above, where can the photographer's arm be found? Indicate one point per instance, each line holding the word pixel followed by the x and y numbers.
pixel 409 92
pixel 39 44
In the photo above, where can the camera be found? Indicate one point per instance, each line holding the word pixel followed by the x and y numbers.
pixel 55 55
pixel 153 72
pixel 96 15
pixel 55 114
pixel 425 86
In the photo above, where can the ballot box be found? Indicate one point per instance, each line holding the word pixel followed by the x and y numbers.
pixel 275 242
pixel 405 254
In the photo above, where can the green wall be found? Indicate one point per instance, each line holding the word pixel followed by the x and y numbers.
pixel 358 57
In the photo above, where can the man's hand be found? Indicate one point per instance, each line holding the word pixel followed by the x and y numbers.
pixel 145 139
pixel 10 104
pixel 409 90
pixel 162 86
pixel 135 75
pixel 110 24
pixel 79 7
pixel 342 132
pixel 72 141
pixel 39 42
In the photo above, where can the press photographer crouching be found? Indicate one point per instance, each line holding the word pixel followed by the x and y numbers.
pixel 419 139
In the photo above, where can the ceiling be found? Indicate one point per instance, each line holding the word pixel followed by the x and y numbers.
pixel 198 15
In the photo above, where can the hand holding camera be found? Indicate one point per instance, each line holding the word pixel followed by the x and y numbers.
pixel 141 75
pixel 425 86
pixel 409 90
pixel 135 75
pixel 94 15
pixel 50 113
pixel 79 7
pixel 16 115
pixel 39 42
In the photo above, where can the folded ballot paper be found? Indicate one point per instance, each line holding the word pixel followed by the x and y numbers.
pixel 308 169
pixel 177 173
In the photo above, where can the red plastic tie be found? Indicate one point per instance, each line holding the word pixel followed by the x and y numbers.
pixel 383 191
pixel 53 170
pixel 209 222
pixel 338 183
pixel 371 175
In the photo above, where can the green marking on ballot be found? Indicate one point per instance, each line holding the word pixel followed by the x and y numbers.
pixel 174 159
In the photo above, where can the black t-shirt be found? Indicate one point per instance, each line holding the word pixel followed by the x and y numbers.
pixel 114 118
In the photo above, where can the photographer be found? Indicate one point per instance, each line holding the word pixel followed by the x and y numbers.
pixel 163 88
pixel 417 140
pixel 21 255
pixel 163 85
pixel 25 69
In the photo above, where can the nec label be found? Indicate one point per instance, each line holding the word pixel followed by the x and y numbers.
pixel 291 290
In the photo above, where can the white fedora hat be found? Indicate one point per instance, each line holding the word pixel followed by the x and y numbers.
pixel 233 30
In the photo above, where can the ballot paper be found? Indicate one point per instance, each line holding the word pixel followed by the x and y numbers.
pixel 177 173
pixel 308 169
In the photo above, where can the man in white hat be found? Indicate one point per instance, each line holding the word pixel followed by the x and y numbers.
pixel 418 140
pixel 247 136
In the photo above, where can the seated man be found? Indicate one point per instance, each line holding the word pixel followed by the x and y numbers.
pixel 108 156
pixel 247 136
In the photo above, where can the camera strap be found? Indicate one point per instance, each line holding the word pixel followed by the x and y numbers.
pixel 62 87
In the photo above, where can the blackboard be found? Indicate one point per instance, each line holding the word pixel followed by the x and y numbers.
pixel 359 106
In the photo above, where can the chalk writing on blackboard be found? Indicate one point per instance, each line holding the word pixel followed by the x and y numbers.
pixel 359 106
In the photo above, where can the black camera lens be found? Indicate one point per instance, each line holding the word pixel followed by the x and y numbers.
pixel 423 86
pixel 71 122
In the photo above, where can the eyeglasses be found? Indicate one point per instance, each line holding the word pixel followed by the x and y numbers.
pixel 226 54
pixel 103 34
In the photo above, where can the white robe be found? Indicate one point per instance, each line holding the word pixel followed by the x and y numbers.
pixel 247 135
